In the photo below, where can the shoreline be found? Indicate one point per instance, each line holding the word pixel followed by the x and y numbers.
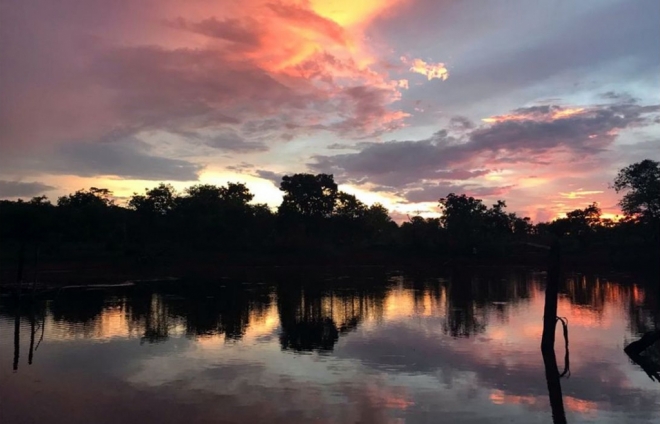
pixel 215 267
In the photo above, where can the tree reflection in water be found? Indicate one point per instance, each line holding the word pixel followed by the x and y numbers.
pixel 35 313
pixel 312 317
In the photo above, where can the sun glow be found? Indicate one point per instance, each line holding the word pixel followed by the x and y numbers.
pixel 349 13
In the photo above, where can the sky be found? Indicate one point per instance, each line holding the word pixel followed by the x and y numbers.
pixel 539 103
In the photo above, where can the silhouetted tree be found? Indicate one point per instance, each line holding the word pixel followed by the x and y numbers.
pixel 92 198
pixel 522 226
pixel 641 205
pixel 308 195
pixel 461 213
pixel 471 224
pixel 578 223
pixel 90 215
pixel 213 215
pixel 420 234
pixel 158 201
pixel 641 181
pixel 379 227
pixel 463 219
pixel 347 206
pixel 236 195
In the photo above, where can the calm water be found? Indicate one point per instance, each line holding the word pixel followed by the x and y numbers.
pixel 390 348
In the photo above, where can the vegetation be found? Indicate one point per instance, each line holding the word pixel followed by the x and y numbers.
pixel 315 218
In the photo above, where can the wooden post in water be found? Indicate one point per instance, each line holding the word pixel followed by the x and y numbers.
pixel 548 339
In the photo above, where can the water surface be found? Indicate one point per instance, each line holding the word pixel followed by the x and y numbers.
pixel 387 348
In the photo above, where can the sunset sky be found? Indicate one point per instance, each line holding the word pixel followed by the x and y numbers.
pixel 535 102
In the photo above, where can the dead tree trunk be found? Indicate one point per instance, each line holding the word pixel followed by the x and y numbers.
pixel 551 294
pixel 552 374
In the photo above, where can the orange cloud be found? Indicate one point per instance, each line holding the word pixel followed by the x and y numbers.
pixel 430 70
pixel 320 46
pixel 540 114
pixel 579 193
pixel 348 13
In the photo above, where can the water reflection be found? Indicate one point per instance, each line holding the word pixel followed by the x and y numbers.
pixel 312 317
pixel 463 346
pixel 644 352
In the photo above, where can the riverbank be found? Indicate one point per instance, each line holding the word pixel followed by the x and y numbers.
pixel 114 269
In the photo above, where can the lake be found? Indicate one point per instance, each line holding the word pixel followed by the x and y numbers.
pixel 378 347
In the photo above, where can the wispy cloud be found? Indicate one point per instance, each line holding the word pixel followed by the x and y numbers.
pixel 22 188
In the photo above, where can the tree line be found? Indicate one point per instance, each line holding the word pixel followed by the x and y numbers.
pixel 316 217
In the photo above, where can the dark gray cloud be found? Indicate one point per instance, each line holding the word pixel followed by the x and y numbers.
pixel 22 189
pixel 271 127
pixel 527 135
pixel 131 159
pixel 588 132
pixel 274 177
pixel 128 158
pixel 395 163
pixel 619 96
pixel 648 149
pixel 231 141
pixel 461 123
pixel 341 146
pixel 460 174
pixel 433 192
pixel 240 167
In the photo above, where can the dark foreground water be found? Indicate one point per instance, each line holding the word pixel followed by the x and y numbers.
pixel 380 349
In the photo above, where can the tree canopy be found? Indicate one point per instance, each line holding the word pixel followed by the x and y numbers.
pixel 641 182
pixel 308 195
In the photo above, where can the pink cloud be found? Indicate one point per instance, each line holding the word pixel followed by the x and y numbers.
pixel 81 72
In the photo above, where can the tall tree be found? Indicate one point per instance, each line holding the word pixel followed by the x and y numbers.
pixel 581 224
pixel 89 214
pixel 462 214
pixel 94 197
pixel 236 194
pixel 348 206
pixel 641 182
pixel 156 201
pixel 308 195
